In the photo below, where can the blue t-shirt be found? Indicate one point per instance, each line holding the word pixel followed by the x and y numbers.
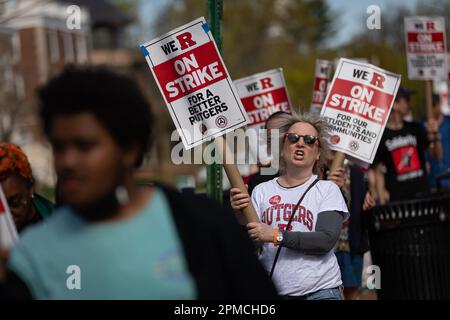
pixel 138 258
pixel 438 167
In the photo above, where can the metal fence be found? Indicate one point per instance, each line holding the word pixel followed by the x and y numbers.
pixel 410 242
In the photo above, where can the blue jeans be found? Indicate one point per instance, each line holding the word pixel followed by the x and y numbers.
pixel 324 294
pixel 351 268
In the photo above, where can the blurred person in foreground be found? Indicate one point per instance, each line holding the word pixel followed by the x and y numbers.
pixel 16 178
pixel 402 153
pixel 128 241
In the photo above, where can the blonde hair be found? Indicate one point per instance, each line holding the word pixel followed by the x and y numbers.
pixel 318 123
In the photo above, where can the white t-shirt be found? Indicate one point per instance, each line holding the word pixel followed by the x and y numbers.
pixel 297 273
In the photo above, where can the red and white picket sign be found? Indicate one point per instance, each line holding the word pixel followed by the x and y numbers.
pixel 357 107
pixel 195 83
pixel 444 94
pixel 442 87
pixel 321 81
pixel 8 231
pixel 263 94
pixel 426 48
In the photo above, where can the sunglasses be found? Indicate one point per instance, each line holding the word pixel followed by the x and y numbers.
pixel 308 139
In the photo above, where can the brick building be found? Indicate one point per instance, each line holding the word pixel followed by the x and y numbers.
pixel 42 43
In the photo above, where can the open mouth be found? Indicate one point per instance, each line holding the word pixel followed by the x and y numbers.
pixel 299 154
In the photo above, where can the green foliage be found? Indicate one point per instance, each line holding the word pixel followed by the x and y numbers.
pixel 436 8
pixel 292 34
pixel 130 7
pixel 386 47
pixel 265 34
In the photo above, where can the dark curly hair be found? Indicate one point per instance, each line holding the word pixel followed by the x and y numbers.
pixel 115 101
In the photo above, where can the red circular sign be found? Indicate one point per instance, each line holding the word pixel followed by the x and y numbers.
pixel 221 121
pixel 335 139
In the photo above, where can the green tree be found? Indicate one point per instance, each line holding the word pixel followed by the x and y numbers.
pixel 439 8
pixel 265 34
pixel 386 47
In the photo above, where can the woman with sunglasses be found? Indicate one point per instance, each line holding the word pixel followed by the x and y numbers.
pixel 306 268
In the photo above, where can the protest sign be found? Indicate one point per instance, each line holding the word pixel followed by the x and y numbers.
pixel 357 107
pixel 338 59
pixel 441 87
pixel 442 91
pixel 195 83
pixel 426 48
pixel 321 81
pixel 8 232
pixel 263 94
pixel 198 91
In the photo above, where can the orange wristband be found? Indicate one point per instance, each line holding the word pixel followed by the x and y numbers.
pixel 275 234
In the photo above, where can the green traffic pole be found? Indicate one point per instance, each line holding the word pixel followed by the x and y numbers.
pixel 214 171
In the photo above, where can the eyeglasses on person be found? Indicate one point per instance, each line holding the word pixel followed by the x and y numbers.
pixel 308 139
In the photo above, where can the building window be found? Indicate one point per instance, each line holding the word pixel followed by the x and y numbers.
pixel 20 87
pixel 16 47
pixel 82 55
pixel 53 46
pixel 102 38
pixel 68 48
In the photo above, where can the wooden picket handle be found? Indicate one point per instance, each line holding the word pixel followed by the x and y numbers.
pixel 429 99
pixel 234 176
pixel 338 161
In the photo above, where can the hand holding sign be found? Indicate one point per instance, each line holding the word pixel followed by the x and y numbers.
pixel 198 91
